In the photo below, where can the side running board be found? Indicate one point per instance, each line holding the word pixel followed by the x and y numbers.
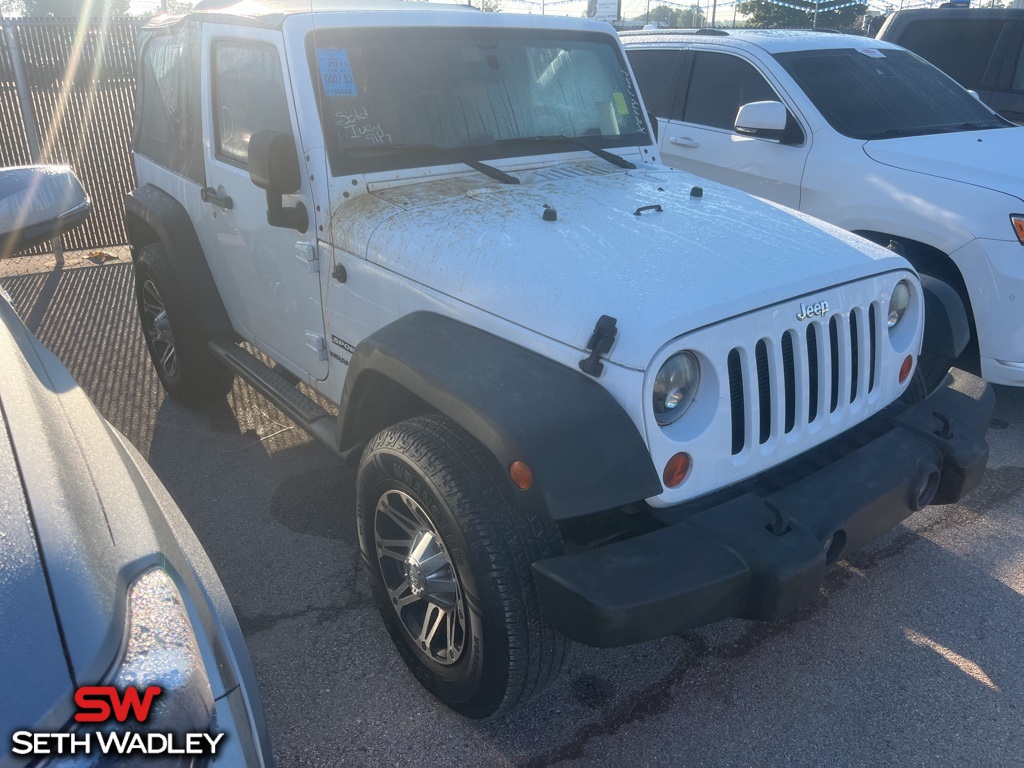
pixel 300 408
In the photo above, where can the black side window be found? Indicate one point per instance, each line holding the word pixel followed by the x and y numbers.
pixel 167 123
pixel 248 96
pixel 655 73
pixel 959 47
pixel 719 85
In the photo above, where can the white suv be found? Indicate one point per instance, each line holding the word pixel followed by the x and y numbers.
pixel 588 395
pixel 865 135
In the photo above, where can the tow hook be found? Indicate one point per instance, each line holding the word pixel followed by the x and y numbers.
pixel 779 526
pixel 945 430
pixel 923 489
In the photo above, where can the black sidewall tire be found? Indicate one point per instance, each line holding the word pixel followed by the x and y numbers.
pixel 475 685
pixel 200 378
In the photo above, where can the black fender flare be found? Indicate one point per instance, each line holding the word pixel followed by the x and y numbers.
pixel 947 330
pixel 585 452
pixel 152 215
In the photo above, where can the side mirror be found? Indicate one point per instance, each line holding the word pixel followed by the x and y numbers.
pixel 38 203
pixel 762 119
pixel 274 167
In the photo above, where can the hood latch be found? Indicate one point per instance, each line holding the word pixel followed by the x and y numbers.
pixel 600 342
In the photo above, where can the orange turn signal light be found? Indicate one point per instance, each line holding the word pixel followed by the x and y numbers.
pixel 521 475
pixel 906 368
pixel 1018 225
pixel 677 470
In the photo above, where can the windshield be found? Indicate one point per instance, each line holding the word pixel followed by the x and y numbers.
pixel 882 93
pixel 411 97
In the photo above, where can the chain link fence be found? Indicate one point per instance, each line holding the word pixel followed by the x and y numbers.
pixel 67 91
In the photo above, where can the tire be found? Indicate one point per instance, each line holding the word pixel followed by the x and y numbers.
pixel 427 478
pixel 175 338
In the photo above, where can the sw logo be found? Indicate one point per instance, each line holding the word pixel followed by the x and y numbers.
pixel 99 704
pixel 96 703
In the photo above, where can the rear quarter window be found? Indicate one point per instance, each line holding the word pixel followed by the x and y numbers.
pixel 167 127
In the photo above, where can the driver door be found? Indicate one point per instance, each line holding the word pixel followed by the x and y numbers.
pixel 267 275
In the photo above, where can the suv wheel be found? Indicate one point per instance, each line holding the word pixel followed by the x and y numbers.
pixel 449 552
pixel 176 341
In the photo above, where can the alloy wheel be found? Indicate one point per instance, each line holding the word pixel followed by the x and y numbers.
pixel 422 583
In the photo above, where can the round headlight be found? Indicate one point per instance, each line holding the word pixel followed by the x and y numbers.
pixel 675 386
pixel 898 303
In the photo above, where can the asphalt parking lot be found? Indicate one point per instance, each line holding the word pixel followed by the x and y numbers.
pixel 912 655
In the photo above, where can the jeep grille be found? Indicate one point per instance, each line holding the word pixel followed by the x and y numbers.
pixel 776 388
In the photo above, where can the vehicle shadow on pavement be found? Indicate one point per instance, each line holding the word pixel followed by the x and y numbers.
pixel 910 655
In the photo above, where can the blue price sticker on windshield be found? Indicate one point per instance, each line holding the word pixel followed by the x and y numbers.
pixel 336 72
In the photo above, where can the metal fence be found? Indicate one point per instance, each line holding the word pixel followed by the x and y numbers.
pixel 79 78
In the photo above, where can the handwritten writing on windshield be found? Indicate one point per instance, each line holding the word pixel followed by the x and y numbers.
pixel 356 124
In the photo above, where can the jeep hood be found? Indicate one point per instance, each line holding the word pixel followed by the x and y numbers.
pixel 988 159
pixel 660 274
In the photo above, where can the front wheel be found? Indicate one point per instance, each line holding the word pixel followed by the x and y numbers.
pixel 448 551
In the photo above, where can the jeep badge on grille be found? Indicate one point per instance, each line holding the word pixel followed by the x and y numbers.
pixel 820 309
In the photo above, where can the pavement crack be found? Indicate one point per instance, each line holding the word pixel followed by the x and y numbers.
pixel 637 706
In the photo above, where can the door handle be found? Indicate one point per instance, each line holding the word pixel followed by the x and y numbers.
pixel 683 141
pixel 209 195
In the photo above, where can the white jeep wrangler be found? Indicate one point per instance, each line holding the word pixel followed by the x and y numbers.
pixel 589 396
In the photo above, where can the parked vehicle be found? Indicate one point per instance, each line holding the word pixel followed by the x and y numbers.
pixel 980 48
pixel 866 136
pixel 588 396
pixel 101 579
pixel 38 202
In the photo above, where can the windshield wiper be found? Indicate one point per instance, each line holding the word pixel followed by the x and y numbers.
pixel 896 133
pixel 611 157
pixel 979 126
pixel 487 170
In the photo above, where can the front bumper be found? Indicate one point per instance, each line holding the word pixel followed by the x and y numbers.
pixel 762 556
pixel 993 271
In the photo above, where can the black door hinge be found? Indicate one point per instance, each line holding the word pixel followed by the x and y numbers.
pixel 600 342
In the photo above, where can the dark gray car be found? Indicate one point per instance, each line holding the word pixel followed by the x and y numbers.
pixel 980 48
pixel 102 581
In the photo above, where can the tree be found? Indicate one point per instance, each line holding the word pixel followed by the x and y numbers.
pixel 491 6
pixel 673 18
pixel 11 8
pixel 769 15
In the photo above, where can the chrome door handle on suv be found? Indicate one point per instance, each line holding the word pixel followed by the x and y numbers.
pixel 684 141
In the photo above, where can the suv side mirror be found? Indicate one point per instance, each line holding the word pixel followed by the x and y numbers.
pixel 762 119
pixel 274 166
pixel 38 203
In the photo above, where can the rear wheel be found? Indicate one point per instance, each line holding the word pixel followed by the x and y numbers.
pixel 449 550
pixel 174 336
